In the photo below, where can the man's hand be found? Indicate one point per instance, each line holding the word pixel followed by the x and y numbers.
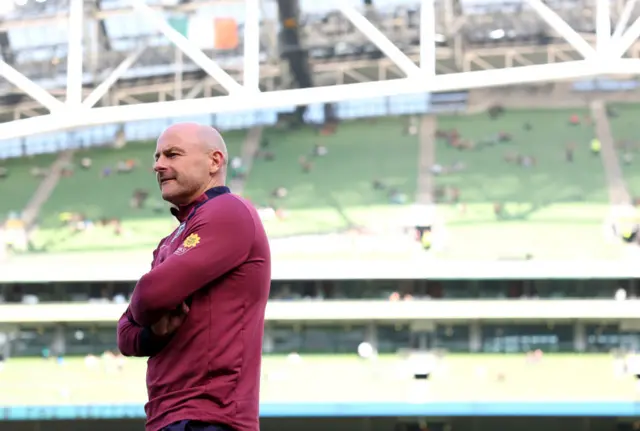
pixel 170 322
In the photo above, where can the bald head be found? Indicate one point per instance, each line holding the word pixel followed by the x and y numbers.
pixel 190 159
pixel 206 137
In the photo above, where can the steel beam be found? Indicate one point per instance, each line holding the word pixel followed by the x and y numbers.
pixel 179 74
pixel 623 43
pixel 190 50
pixel 75 53
pixel 32 89
pixel 251 58
pixel 286 98
pixel 268 71
pixel 376 37
pixel 603 26
pixel 623 20
pixel 563 29
pixel 428 37
pixel 102 89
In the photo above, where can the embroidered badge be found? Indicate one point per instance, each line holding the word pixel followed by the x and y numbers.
pixel 190 242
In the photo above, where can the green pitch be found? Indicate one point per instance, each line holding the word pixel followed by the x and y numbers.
pixel 342 379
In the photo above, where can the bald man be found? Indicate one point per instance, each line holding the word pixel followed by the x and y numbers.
pixel 198 314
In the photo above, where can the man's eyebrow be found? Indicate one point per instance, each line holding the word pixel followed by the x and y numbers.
pixel 173 149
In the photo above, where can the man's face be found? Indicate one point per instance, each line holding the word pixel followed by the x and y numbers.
pixel 183 168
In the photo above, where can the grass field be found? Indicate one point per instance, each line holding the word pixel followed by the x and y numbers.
pixel 316 378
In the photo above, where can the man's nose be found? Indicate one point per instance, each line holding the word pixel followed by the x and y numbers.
pixel 158 166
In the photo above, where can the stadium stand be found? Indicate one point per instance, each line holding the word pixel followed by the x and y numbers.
pixel 325 181
pixel 623 119
pixel 20 179
pixel 521 157
pixel 510 182
pixel 107 198
pixel 517 179
pixel 313 172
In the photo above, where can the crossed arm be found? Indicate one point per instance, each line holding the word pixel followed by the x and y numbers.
pixel 224 239
pixel 136 340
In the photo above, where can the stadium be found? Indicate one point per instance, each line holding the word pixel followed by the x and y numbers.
pixel 450 189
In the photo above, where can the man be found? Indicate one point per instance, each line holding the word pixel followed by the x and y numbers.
pixel 199 312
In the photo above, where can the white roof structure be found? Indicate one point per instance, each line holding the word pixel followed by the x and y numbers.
pixel 604 54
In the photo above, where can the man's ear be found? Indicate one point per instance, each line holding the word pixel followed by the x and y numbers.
pixel 217 161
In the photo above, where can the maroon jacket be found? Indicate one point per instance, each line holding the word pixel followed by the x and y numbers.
pixel 218 261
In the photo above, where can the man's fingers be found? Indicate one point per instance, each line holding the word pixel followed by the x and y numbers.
pixel 176 322
pixel 180 319
pixel 180 310
pixel 170 322
pixel 161 326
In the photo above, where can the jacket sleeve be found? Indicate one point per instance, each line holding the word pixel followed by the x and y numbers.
pixel 136 340
pixel 217 240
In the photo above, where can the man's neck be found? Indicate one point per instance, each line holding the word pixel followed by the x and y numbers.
pixel 211 184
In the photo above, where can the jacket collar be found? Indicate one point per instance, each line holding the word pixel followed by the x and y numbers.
pixel 183 212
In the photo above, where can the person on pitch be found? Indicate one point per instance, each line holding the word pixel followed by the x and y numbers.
pixel 198 314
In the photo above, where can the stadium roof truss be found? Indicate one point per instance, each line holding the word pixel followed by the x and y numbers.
pixel 604 57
